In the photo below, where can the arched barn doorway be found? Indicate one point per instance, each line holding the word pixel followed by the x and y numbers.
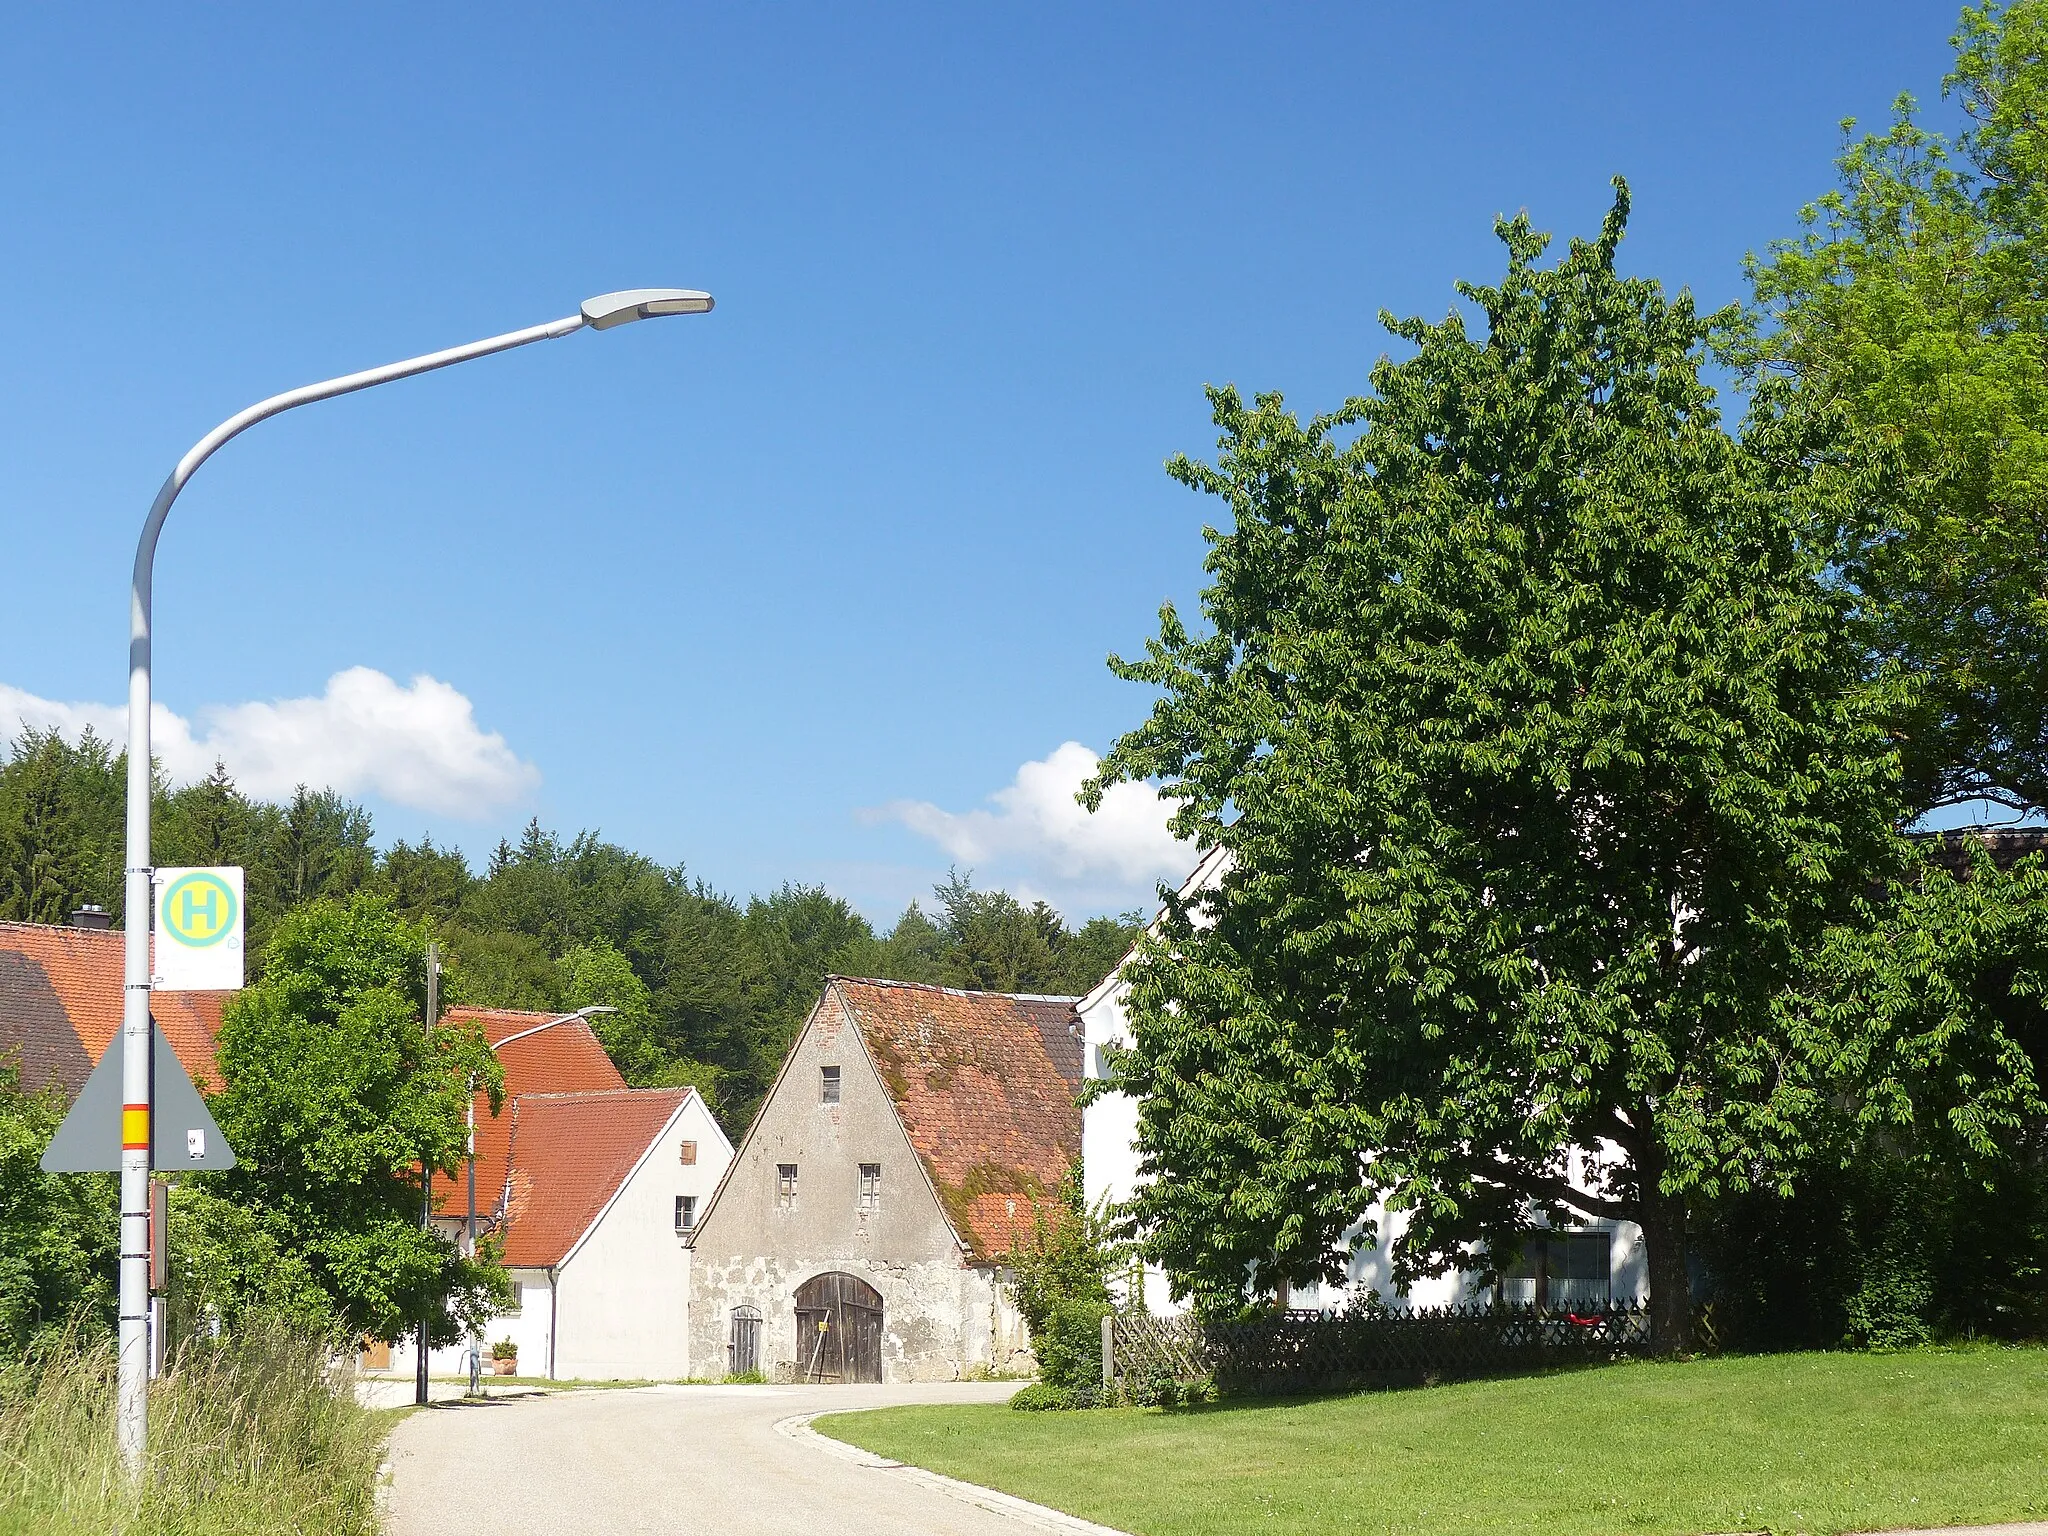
pixel 838 1329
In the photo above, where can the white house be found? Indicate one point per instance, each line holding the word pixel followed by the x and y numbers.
pixel 1588 1265
pixel 593 1187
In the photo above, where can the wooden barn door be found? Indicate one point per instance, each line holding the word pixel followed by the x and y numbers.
pixel 743 1352
pixel 838 1329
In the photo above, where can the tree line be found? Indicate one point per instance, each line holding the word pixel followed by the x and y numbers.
pixel 709 989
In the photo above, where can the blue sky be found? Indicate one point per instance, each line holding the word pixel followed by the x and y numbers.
pixel 730 589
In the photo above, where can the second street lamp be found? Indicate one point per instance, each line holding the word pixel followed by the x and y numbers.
pixel 600 314
pixel 469 1221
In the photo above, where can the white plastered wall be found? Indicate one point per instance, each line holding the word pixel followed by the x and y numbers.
pixel 621 1308
pixel 1109 1172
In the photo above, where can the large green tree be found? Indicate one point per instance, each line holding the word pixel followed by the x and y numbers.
pixel 335 1097
pixel 1916 299
pixel 1543 749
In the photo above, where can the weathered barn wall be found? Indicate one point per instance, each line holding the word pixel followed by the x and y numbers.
pixel 941 1316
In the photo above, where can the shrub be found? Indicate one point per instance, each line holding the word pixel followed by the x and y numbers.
pixel 504 1349
pixel 1061 1282
pixel 1040 1397
pixel 1069 1346
pixel 1043 1397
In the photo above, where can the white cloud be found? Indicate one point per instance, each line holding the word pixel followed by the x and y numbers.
pixel 1039 839
pixel 416 745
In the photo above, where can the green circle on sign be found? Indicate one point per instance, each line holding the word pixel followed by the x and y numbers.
pixel 198 910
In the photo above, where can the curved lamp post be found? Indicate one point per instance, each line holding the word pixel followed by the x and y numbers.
pixel 600 314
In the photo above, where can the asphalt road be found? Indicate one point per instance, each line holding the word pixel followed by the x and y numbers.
pixel 664 1459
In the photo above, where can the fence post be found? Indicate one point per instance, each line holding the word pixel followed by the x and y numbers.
pixel 1108 1351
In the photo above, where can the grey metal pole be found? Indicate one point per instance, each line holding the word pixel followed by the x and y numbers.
pixel 132 1410
pixel 419 1370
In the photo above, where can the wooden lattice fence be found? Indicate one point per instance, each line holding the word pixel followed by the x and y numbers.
pixel 1311 1351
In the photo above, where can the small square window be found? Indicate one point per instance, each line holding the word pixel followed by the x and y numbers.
pixel 785 1185
pixel 870 1187
pixel 686 1212
pixel 689 1154
pixel 828 1085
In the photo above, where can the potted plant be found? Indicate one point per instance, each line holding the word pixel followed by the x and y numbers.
pixel 505 1358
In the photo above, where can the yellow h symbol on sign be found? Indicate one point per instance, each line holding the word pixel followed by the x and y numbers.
pixel 199 909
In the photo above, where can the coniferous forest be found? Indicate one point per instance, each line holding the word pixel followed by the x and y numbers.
pixel 709 988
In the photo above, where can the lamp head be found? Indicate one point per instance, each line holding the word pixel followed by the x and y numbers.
pixel 629 304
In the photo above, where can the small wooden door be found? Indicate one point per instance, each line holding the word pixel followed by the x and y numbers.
pixel 838 1329
pixel 744 1349
pixel 376 1355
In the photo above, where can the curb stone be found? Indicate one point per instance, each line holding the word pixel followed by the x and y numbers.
pixel 798 1428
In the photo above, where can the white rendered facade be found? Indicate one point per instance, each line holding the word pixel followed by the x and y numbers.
pixel 1110 1174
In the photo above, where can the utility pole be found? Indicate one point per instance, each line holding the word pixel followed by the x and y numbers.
pixel 419 1374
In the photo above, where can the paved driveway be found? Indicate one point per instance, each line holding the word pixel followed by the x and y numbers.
pixel 664 1459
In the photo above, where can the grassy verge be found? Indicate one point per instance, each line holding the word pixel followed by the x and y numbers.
pixel 1784 1443
pixel 250 1437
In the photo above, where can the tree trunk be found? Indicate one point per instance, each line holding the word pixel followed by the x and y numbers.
pixel 1663 1223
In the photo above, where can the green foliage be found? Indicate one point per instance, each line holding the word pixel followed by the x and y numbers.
pixel 1060 1280
pixel 59 1240
pixel 1048 1397
pixel 1539 737
pixel 252 1433
pixel 1922 1210
pixel 60 827
pixel 1915 299
pixel 334 1095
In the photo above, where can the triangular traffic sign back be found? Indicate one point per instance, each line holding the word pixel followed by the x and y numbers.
pixel 183 1135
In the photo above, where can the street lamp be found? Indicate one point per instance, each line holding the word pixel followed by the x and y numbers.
pixel 600 314
pixel 469 1222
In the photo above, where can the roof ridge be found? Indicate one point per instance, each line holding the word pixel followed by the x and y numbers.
pixel 9 922
pixel 932 986
pixel 606 1093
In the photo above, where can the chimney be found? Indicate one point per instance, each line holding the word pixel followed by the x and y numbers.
pixel 90 916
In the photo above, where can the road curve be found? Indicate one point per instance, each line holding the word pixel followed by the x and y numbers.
pixel 664 1459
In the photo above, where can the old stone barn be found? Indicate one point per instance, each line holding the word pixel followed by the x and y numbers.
pixel 862 1230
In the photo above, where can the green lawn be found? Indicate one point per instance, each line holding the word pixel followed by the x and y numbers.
pixel 1818 1442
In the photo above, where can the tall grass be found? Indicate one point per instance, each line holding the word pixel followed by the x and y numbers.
pixel 249 1435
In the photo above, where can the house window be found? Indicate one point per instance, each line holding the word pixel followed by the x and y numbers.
pixel 785 1186
pixel 689 1154
pixel 518 1300
pixel 1560 1271
pixel 686 1212
pixel 870 1186
pixel 828 1085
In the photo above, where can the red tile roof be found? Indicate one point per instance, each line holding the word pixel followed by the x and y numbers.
pixel 984 1083
pixel 60 1006
pixel 564 1059
pixel 570 1154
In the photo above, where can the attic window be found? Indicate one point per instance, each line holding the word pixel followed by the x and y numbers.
pixel 828 1085
pixel 689 1154
pixel 785 1186
pixel 870 1187
pixel 686 1213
